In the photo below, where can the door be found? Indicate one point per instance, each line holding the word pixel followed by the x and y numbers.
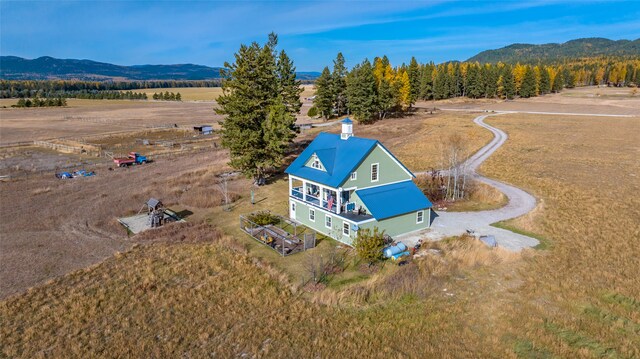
pixel 292 210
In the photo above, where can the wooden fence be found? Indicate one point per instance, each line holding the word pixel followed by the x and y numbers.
pixel 280 240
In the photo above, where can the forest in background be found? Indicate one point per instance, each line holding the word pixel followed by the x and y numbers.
pixel 371 91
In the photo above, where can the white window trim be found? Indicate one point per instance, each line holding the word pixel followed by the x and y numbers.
pixel 311 210
pixel 348 232
pixel 326 216
pixel 418 220
pixel 354 175
pixel 377 172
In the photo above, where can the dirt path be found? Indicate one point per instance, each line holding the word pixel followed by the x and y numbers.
pixel 520 202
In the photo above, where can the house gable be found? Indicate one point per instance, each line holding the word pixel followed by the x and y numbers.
pixel 380 160
pixel 316 163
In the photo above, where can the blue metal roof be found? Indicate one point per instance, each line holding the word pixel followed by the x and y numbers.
pixel 347 120
pixel 393 199
pixel 339 157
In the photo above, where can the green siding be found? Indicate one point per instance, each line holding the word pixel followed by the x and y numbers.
pixel 393 226
pixel 388 171
pixel 400 224
pixel 310 162
pixel 302 216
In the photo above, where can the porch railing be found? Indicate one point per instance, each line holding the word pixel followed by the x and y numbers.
pixel 298 193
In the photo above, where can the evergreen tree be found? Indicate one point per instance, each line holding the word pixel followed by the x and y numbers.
pixel 473 87
pixel 324 94
pixel 178 97
pixel 279 131
pixel 491 82
pixel 258 118
pixel 339 85
pixel 413 73
pixel 441 84
pixel 426 82
pixel 361 91
pixel 545 81
pixel 558 83
pixel 387 98
pixel 288 86
pixel 508 83
pixel 528 87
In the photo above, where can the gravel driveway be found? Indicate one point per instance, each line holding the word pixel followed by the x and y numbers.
pixel 456 223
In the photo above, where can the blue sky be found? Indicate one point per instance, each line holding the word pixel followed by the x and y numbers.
pixel 312 32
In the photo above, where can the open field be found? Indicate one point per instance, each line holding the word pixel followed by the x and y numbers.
pixel 204 93
pixel 602 100
pixel 224 293
pixel 99 117
pixel 581 297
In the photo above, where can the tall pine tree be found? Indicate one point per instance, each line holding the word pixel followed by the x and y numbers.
pixel 324 94
pixel 361 92
pixel 259 108
pixel 339 85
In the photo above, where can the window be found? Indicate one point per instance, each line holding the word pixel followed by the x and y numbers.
pixel 327 221
pixel 374 172
pixel 312 215
pixel 345 228
pixel 316 162
pixel 354 176
pixel 420 217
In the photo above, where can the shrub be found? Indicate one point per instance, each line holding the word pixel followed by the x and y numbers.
pixel 369 244
pixel 263 218
pixel 313 112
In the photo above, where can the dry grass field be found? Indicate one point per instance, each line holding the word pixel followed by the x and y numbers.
pixel 99 117
pixel 597 100
pixel 206 288
pixel 582 297
pixel 205 93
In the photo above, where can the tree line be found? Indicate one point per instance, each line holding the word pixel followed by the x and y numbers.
pixel 167 96
pixel 39 102
pixel 371 91
pixel 16 89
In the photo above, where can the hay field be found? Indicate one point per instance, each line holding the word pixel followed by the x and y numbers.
pixel 99 117
pixel 187 93
pixel 581 298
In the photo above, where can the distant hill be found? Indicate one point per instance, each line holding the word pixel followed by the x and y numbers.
pixel 587 47
pixel 49 68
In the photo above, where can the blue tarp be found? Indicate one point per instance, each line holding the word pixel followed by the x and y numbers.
pixel 394 199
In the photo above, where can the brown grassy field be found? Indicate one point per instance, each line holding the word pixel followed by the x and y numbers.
pixel 582 297
pixel 99 117
pixel 223 293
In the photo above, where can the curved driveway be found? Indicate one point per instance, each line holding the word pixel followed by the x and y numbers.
pixel 520 202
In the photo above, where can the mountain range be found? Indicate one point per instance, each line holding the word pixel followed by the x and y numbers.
pixel 49 68
pixel 586 47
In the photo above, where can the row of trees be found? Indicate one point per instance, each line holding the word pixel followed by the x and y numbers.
pixel 15 89
pixel 85 94
pixel 373 91
pixel 39 102
pixel 167 96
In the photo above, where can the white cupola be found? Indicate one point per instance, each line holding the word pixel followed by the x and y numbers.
pixel 347 129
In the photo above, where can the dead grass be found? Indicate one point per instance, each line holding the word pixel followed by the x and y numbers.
pixel 201 299
pixel 585 170
pixel 482 198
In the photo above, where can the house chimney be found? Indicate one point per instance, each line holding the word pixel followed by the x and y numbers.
pixel 347 129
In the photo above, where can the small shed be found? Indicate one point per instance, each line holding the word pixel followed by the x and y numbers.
pixel 204 129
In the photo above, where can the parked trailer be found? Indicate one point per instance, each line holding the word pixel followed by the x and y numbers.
pixel 134 158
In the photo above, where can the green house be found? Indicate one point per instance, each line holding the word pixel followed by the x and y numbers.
pixel 341 183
